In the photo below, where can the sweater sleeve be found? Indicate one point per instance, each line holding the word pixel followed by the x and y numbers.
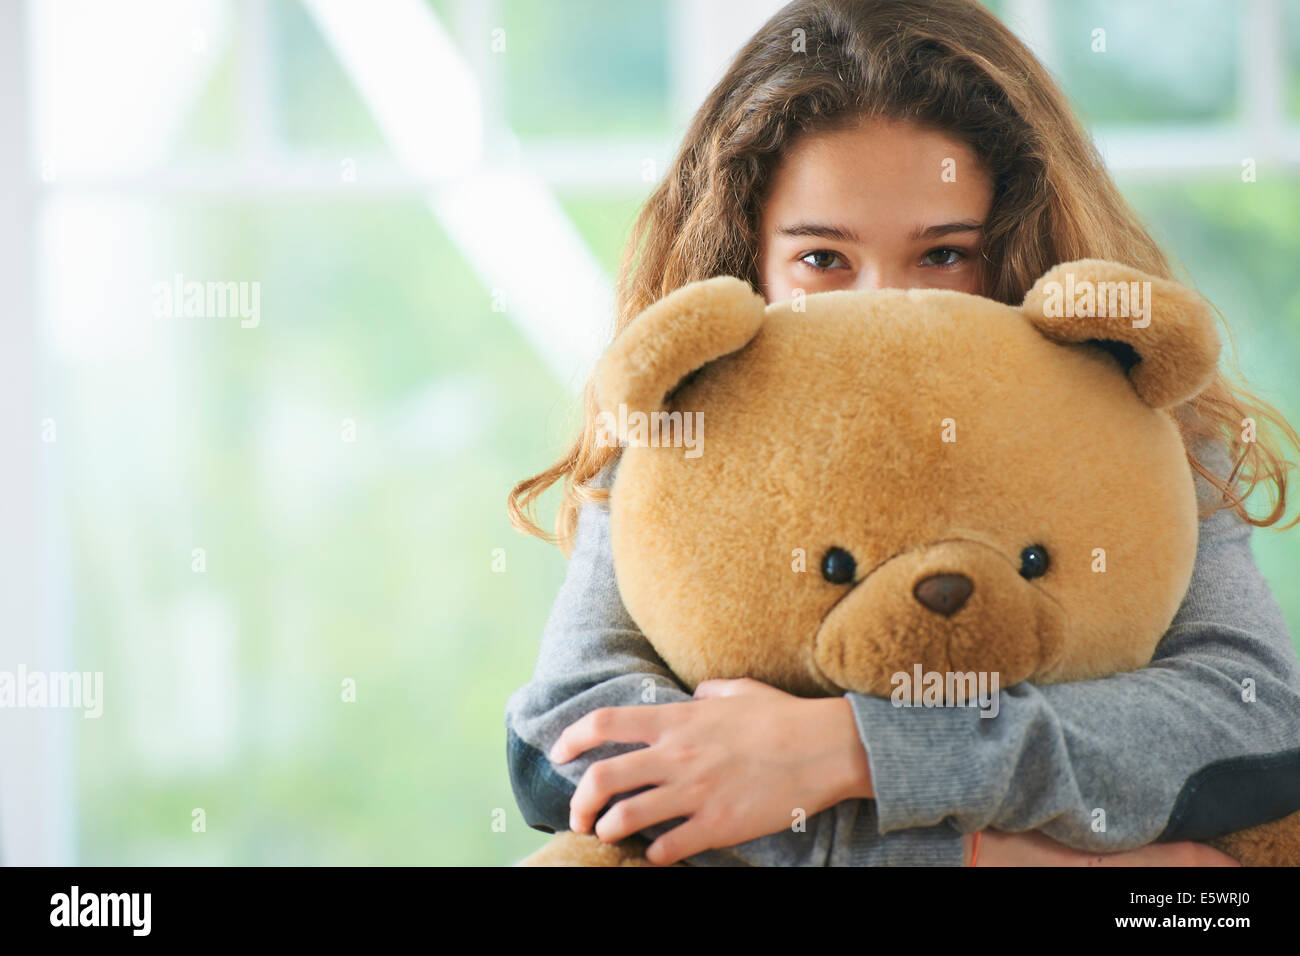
pixel 1119 762
pixel 593 655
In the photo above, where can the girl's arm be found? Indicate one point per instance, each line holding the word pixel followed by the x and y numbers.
pixel 1122 761
pixel 592 655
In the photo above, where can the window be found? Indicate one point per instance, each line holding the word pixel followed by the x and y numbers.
pixel 245 512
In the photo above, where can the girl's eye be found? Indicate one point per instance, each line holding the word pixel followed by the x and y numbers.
pixel 820 259
pixel 947 255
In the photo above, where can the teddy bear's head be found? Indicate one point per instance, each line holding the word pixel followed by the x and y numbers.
pixel 822 493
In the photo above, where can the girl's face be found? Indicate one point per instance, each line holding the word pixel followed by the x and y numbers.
pixel 882 204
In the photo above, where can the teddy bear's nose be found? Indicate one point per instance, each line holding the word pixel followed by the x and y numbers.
pixel 944 593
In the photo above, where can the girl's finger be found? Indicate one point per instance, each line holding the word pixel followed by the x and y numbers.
pixel 710 688
pixel 626 725
pixel 606 779
pixel 680 842
pixel 727 688
pixel 634 814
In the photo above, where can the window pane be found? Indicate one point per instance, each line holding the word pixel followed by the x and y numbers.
pixel 1291 28
pixel 586 67
pixel 1239 245
pixel 315 103
pixel 1165 61
pixel 257 515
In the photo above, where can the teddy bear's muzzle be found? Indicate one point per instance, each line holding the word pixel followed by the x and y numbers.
pixel 951 607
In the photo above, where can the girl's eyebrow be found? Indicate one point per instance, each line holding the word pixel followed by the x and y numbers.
pixel 820 230
pixel 947 228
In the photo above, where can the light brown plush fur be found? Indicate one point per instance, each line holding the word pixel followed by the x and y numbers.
pixel 925 432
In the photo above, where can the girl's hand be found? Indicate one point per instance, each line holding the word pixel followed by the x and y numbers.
pixel 737 762
pixel 1035 849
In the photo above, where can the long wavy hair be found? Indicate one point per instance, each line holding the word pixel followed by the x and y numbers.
pixel 949 65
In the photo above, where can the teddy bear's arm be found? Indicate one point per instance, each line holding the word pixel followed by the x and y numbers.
pixel 1126 752
pixel 593 655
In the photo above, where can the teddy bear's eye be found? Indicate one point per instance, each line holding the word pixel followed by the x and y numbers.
pixel 1033 562
pixel 838 566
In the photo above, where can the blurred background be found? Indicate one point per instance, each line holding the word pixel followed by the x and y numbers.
pixel 245 517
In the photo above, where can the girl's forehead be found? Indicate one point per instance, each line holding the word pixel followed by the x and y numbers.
pixel 877 171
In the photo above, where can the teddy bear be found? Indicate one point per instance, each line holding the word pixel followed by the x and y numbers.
pixel 907 482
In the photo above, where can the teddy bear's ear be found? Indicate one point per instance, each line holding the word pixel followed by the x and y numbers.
pixel 676 336
pixel 1163 333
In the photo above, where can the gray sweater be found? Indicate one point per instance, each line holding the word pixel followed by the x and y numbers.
pixel 1176 750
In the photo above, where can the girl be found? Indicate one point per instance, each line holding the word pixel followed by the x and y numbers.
pixel 816 164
